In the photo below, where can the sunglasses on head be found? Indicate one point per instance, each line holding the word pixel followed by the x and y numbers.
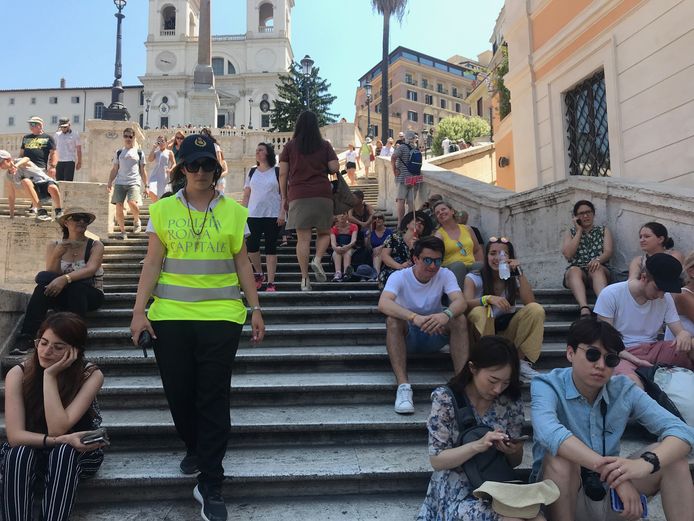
pixel 593 354
pixel 428 261
pixel 83 217
pixel 207 164
pixel 502 240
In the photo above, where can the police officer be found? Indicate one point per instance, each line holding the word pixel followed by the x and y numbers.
pixel 196 267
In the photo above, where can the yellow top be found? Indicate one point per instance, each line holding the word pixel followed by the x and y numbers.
pixel 198 280
pixel 460 250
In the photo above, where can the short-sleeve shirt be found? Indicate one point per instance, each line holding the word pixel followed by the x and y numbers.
pixel 418 297
pixel 67 144
pixel 38 148
pixel 402 157
pixel 129 161
pixel 308 173
pixel 28 171
pixel 264 200
pixel 638 323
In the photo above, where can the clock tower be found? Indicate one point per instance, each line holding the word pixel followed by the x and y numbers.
pixel 246 66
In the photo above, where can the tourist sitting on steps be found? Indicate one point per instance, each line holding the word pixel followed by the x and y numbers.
pixel 684 302
pixel 50 404
pixel 22 173
pixel 376 239
pixel 580 413
pixel 416 321
pixel 653 238
pixel 588 248
pixel 397 249
pixel 492 306
pixel 343 239
pixel 73 280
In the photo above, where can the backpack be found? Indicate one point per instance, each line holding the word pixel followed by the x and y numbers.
pixel 490 465
pixel 414 164
pixel 254 168
pixel 140 155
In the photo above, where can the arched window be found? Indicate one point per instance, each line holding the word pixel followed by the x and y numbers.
pixel 218 66
pixel 168 19
pixel 230 68
pixel 265 18
pixel 98 110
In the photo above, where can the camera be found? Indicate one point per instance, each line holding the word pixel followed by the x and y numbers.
pixel 592 485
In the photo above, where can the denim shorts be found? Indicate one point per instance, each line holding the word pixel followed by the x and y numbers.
pixel 418 341
pixel 129 192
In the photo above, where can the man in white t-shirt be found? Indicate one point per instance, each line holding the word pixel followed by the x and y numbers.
pixel 416 321
pixel 69 149
pixel 637 308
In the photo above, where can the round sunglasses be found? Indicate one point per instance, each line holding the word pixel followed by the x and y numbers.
pixel 593 354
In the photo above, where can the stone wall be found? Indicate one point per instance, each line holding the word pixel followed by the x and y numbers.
pixel 535 220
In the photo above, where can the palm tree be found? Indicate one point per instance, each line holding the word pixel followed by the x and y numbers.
pixel 387 8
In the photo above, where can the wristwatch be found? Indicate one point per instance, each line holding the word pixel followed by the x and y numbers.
pixel 448 313
pixel 652 458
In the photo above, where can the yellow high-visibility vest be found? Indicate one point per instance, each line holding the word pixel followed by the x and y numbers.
pixel 198 279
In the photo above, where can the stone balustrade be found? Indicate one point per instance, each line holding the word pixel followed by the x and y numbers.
pixel 536 220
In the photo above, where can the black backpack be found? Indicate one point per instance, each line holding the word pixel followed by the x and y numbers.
pixel 254 168
pixel 490 465
pixel 140 155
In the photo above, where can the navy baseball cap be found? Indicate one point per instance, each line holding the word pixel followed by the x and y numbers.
pixel 193 147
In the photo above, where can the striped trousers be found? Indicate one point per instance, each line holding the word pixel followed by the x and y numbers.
pixel 60 467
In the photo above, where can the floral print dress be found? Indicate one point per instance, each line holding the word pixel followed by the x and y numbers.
pixel 449 497
pixel 400 253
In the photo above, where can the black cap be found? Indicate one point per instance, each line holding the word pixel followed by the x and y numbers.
pixel 194 146
pixel 665 270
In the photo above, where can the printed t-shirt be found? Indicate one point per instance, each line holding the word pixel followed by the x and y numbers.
pixel 38 148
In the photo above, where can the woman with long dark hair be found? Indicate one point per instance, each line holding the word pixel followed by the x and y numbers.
pixel 305 162
pixel 50 403
pixel 492 304
pixel 490 382
pixel 396 253
pixel 653 238
pixel 73 280
pixel 261 195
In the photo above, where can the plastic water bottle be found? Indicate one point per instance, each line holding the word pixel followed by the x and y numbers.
pixel 504 269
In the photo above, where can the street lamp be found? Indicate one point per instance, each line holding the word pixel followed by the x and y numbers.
pixel 250 106
pixel 116 111
pixel 148 102
pixel 307 65
pixel 367 86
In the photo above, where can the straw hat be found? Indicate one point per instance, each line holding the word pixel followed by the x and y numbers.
pixel 73 211
pixel 518 500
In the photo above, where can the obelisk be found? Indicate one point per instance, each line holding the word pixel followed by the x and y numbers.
pixel 203 98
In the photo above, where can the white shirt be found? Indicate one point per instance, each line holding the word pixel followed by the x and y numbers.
pixel 446 144
pixel 638 323
pixel 423 299
pixel 66 145
pixel 386 151
pixel 351 156
pixel 477 281
pixel 265 193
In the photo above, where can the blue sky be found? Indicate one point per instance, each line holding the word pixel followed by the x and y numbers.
pixel 75 39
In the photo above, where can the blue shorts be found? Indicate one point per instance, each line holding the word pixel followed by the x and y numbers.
pixel 418 341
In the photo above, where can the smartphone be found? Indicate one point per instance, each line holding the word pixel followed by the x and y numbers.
pixel 618 506
pixel 524 437
pixel 97 436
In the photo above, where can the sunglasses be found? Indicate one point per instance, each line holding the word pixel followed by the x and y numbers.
pixel 34 124
pixel 428 261
pixel 79 217
pixel 207 164
pixel 179 138
pixel 593 354
pixel 379 217
pixel 502 240
pixel 128 136
pixel 463 251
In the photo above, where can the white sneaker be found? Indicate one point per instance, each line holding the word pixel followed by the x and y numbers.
pixel 305 284
pixel 403 400
pixel 527 373
pixel 318 270
pixel 137 226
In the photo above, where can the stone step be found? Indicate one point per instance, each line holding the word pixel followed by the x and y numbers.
pixel 126 283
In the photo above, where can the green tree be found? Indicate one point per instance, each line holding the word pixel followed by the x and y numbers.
pixel 291 94
pixel 504 93
pixel 387 8
pixel 457 128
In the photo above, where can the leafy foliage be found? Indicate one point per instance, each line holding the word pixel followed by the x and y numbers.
pixel 291 96
pixel 504 93
pixel 457 128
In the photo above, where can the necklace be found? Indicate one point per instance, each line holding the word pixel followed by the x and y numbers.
pixel 190 216
pixel 75 248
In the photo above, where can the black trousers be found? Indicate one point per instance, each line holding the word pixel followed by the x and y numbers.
pixel 65 171
pixel 195 359
pixel 259 227
pixel 76 297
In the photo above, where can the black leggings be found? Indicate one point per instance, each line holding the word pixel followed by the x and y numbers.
pixel 260 226
pixel 77 297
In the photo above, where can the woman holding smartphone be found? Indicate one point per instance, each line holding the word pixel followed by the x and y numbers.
pixel 50 404
pixel 163 160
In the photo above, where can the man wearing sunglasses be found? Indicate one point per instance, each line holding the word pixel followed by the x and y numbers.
pixel 416 321
pixel 39 147
pixel 579 414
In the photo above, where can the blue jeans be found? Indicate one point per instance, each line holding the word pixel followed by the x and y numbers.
pixel 418 341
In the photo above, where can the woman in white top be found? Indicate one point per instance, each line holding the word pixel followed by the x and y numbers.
pixel 163 159
pixel 387 150
pixel 351 160
pixel 261 195
pixel 685 301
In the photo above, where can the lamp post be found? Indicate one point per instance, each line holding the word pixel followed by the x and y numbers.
pixel 148 102
pixel 116 111
pixel 250 106
pixel 367 86
pixel 426 141
pixel 307 65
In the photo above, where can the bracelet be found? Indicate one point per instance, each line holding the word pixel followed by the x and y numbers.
pixel 448 313
pixel 53 166
pixel 256 308
pixel 484 300
pixel 68 278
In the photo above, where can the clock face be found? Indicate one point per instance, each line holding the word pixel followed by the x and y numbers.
pixel 165 61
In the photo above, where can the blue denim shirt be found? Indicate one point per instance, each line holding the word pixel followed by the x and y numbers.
pixel 559 411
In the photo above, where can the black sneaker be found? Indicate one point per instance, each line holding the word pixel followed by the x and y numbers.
pixel 23 345
pixel 189 464
pixel 210 497
pixel 42 215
